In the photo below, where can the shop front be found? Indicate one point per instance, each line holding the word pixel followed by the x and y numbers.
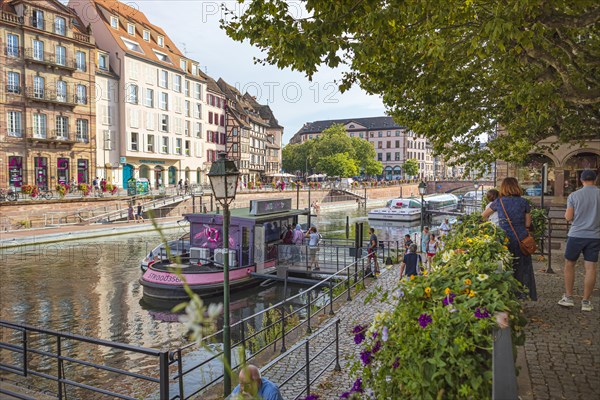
pixel 15 172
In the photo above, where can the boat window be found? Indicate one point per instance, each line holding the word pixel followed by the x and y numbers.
pixel 246 246
pixel 415 204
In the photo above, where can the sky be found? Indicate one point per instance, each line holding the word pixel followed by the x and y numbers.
pixel 193 25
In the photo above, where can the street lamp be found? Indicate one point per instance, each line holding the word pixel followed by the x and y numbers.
pixel 223 177
pixel 422 189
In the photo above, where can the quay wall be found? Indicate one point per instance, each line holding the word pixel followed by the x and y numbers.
pixel 25 214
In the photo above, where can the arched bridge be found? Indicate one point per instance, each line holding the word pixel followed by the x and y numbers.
pixel 452 186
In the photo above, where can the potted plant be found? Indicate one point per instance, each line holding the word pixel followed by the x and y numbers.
pixel 61 189
pixel 85 189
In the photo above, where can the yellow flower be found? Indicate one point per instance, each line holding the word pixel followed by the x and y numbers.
pixel 506 240
pixel 466 291
pixel 505 248
pixel 447 291
pixel 471 293
pixel 412 277
pixel 425 273
pixel 468 281
pixel 427 291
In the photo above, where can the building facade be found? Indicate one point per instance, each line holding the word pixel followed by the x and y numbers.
pixel 393 144
pixel 161 107
pixel 47 107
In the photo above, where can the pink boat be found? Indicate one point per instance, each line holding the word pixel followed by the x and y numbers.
pixel 197 257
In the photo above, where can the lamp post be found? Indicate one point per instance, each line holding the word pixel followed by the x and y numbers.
pixel 422 189
pixel 223 177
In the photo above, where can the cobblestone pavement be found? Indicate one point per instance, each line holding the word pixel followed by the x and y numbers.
pixel 560 359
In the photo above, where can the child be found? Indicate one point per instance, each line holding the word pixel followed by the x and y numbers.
pixel 490 196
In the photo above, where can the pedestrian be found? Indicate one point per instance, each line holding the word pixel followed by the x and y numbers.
pixel 139 215
pixel 95 186
pixel 179 186
pixel 282 186
pixel 583 211
pixel 411 263
pixel 514 217
pixel 130 216
pixel 287 241
pixel 313 248
pixel 445 228
pixel 424 239
pixel 432 248
pixel 253 386
pixel 372 251
pixel 186 186
pixel 297 241
pixel 490 196
pixel 407 242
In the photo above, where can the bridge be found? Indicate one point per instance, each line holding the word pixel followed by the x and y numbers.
pixel 452 186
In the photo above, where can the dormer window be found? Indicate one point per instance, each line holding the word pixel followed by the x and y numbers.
pixel 131 29
pixel 133 46
pixel 146 35
pixel 103 62
pixel 114 22
pixel 162 57
pixel 194 69
pixel 183 65
pixel 161 41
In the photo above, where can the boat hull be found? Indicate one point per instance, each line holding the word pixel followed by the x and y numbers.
pixel 395 216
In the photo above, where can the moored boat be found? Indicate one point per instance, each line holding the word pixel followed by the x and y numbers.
pixel 409 209
pixel 197 257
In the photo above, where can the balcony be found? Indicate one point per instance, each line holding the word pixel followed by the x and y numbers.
pixel 50 96
pixel 8 17
pixel 54 136
pixel 50 60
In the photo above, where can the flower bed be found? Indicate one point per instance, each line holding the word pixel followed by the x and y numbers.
pixel 437 341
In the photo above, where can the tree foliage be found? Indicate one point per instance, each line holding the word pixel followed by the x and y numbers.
pixel 411 167
pixel 453 71
pixel 333 145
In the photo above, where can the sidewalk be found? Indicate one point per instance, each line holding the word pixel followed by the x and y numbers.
pixel 561 356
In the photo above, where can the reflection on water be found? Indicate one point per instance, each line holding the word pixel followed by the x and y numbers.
pixel 91 288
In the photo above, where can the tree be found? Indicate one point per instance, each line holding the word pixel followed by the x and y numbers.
pixel 452 71
pixel 411 167
pixel 340 164
pixel 298 157
pixel 365 157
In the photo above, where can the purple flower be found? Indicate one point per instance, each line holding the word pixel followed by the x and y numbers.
pixel 482 313
pixel 385 334
pixel 345 395
pixel 396 363
pixel 375 335
pixel 312 397
pixel 359 338
pixel 358 329
pixel 424 320
pixel 377 347
pixel 366 357
pixel 448 299
pixel 357 387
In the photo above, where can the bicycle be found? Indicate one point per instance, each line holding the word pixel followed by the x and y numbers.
pixel 45 194
pixel 8 196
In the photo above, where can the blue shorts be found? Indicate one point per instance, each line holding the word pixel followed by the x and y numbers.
pixel 589 247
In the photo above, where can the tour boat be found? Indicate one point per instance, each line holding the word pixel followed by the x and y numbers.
pixel 409 209
pixel 197 257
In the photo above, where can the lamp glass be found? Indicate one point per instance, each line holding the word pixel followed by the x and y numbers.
pixel 223 177
pixel 422 188
pixel 475 184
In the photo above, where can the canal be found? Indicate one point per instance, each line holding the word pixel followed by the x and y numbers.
pixel 91 288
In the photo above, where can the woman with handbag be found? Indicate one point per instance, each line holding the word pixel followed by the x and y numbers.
pixel 515 219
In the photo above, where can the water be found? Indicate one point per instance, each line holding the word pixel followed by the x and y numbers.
pixel 91 288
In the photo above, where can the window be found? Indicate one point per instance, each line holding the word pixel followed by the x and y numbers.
pixel 103 62
pixel 38 87
pixel 187 108
pixel 188 148
pixel 164 123
pixel 13 82
pixel 133 46
pixel 177 83
pixel 61 55
pixel 380 145
pixel 389 133
pixel 397 144
pixel 187 127
pixel 186 88
pixel 82 131
pixel 62 127
pixel 397 133
pixel 61 91
pixel 80 61
pixel 379 157
pixel 81 97
pixel 222 123
pixel 388 144
pixel 37 19
pixel 164 101
pixel 132 93
pixel 380 134
pixel 60 26
pixel 165 145
pixel 114 22
pixel 149 99
pixel 107 117
pixel 198 91
pixel 177 146
pixel 38 50
pixel 198 130
pixel 194 69
pixel 160 40
pixel 131 29
pixel 397 156
pixel 108 140
pixel 150 144
pixel 198 111
pixel 39 125
pixel 13 123
pixel 12 45
pixel 210 117
pixel 162 57
pixel 146 35
pixel 134 140
pixel 388 156
pixel 150 121
pixel 163 79
pixel 183 64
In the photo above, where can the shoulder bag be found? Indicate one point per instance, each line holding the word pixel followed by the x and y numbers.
pixel 527 245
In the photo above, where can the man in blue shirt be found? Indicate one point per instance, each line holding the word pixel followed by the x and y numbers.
pixel 252 386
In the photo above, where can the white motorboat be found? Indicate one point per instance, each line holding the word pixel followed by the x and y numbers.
pixel 409 209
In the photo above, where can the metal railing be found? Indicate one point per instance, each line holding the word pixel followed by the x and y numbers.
pixel 303 307
pixel 31 361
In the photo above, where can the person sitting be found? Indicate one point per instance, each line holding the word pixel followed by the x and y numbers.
pixel 253 386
